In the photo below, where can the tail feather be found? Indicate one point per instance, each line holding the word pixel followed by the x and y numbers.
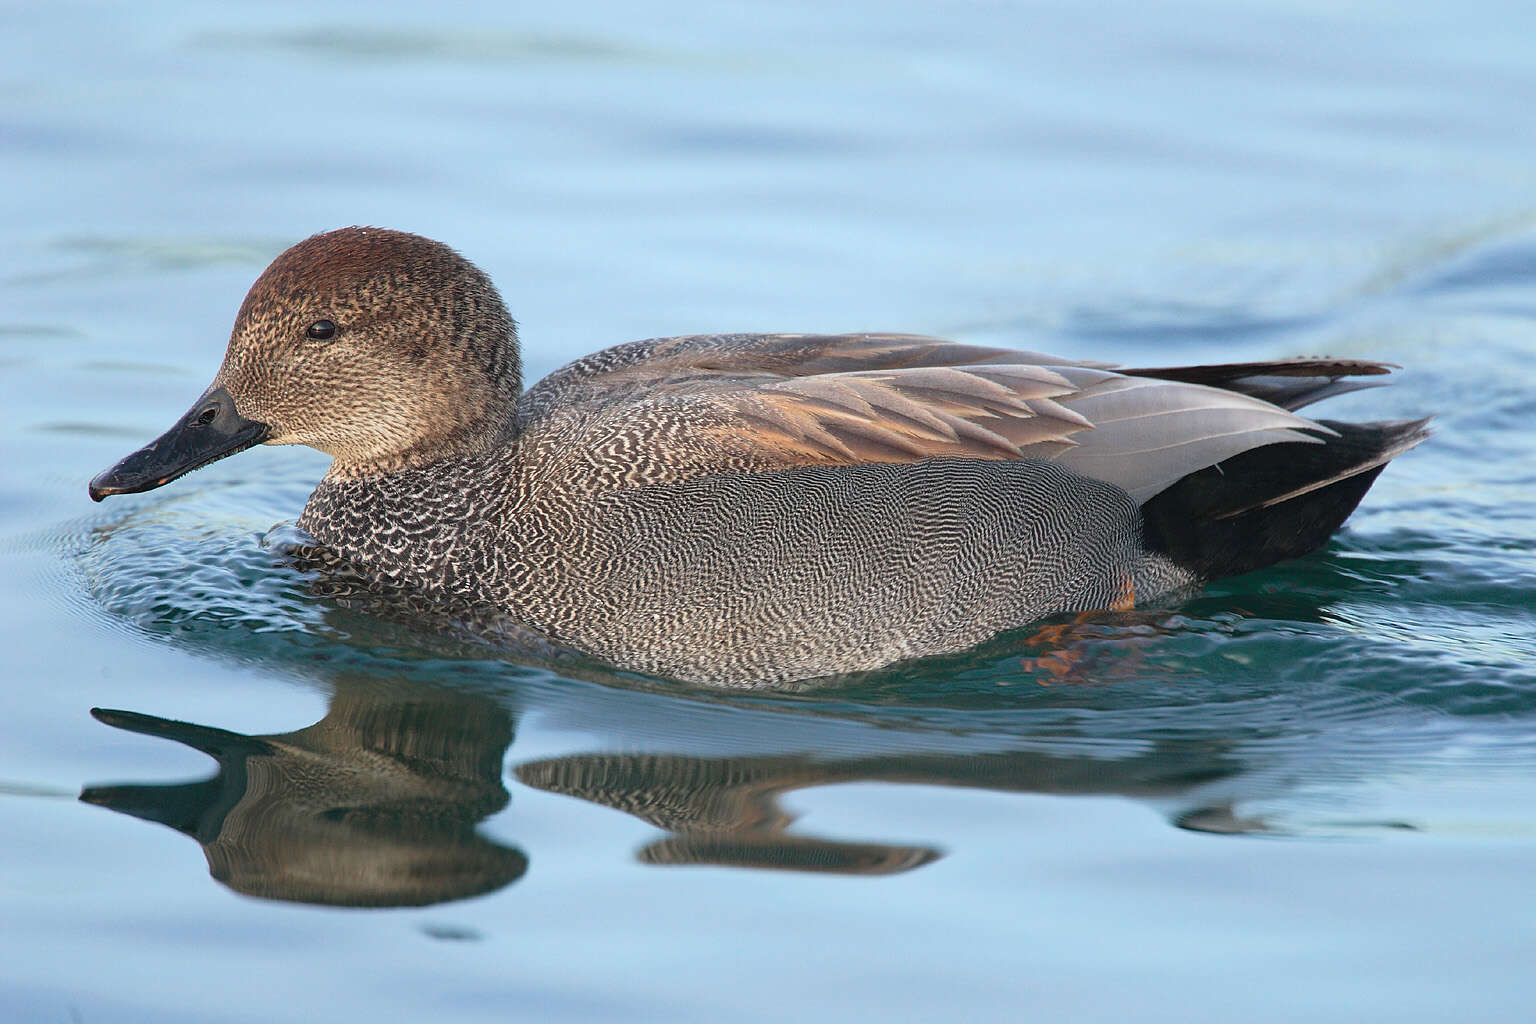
pixel 1288 383
pixel 1357 451
pixel 1274 502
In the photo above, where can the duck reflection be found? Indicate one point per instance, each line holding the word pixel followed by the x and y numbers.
pixel 375 805
pixel 725 811
pixel 722 811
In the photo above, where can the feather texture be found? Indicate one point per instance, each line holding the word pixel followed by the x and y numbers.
pixel 778 401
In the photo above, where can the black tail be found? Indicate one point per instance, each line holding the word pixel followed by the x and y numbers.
pixel 1275 502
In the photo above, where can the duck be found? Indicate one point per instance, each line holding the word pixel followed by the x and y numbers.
pixel 753 509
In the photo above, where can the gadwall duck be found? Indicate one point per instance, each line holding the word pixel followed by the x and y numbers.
pixel 757 508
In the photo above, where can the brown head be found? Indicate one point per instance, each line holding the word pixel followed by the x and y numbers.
pixel 383 349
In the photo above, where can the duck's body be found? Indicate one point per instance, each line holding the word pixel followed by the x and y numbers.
pixel 758 508
pixel 755 577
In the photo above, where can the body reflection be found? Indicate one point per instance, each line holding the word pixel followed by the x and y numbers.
pixel 726 812
pixel 378 803
pixel 375 805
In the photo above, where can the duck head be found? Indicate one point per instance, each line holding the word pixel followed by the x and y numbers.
pixel 383 349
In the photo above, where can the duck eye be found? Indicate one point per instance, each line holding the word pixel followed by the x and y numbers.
pixel 322 330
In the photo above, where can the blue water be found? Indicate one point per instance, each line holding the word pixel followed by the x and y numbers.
pixel 1305 794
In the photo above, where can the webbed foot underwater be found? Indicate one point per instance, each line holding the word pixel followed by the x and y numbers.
pixel 755 508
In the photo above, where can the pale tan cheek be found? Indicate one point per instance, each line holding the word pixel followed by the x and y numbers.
pixel 294 437
pixel 361 437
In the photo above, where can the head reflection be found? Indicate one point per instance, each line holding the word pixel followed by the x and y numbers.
pixel 375 805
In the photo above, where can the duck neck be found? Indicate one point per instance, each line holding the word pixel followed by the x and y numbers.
pixel 496 431
pixel 421 524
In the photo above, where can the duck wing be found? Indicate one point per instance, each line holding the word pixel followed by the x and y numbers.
pixel 674 408
pixel 618 374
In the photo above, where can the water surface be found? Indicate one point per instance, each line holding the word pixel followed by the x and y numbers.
pixel 1307 792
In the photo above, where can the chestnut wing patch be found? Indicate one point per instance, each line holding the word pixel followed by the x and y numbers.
pixel 902 415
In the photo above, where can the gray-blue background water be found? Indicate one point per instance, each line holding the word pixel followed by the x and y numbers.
pixel 1309 793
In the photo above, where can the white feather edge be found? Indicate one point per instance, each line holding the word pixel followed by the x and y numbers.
pixel 1149 433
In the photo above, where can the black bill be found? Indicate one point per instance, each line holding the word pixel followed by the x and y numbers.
pixel 210 430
